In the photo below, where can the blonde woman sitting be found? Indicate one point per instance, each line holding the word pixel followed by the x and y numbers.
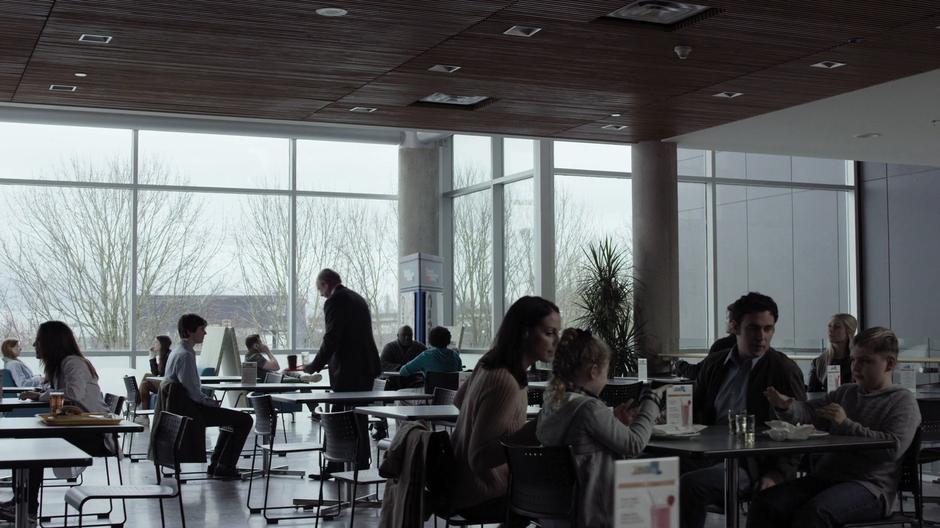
pixel 574 415
pixel 841 330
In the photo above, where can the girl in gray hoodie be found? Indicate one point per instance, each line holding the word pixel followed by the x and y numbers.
pixel 573 415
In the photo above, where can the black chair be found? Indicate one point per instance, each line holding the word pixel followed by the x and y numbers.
pixel 265 432
pixel 340 445
pixel 444 380
pixel 114 403
pixel 616 393
pixel 132 401
pixel 543 482
pixel 168 438
pixel 438 484
pixel 911 482
pixel 535 396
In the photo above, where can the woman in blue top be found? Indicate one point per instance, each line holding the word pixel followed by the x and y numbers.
pixel 437 358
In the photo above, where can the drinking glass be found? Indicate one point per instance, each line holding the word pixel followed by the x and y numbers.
pixel 56 401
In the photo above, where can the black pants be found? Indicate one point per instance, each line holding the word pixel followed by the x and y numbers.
pixel 234 429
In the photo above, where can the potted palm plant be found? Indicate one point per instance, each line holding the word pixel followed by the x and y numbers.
pixel 605 298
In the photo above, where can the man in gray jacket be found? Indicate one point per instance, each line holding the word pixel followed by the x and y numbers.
pixel 847 486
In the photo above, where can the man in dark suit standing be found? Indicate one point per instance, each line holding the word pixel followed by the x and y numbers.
pixel 348 347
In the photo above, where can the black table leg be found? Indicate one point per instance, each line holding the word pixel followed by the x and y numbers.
pixel 731 492
pixel 21 496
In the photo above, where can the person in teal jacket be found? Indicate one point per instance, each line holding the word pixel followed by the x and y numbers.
pixel 437 358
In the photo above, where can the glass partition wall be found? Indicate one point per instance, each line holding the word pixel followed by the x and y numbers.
pixel 117 232
pixel 781 225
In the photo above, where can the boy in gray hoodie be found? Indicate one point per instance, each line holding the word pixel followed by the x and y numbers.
pixel 572 415
pixel 849 485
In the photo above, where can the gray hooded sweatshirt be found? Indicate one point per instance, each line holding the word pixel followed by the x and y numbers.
pixel 597 438
pixel 890 413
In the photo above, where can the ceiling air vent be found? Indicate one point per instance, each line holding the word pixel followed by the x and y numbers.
pixel 828 65
pixel 444 68
pixel 95 39
pixel 728 95
pixel 615 128
pixel 665 14
pixel 463 102
pixel 522 31
pixel 363 109
pixel 62 88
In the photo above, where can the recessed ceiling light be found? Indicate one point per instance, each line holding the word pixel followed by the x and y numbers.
pixel 616 128
pixel 855 40
pixel 444 68
pixel 614 115
pixel 81 75
pixel 62 88
pixel 95 39
pixel 522 31
pixel 658 11
pixel 828 65
pixel 363 109
pixel 332 12
pixel 868 135
pixel 728 95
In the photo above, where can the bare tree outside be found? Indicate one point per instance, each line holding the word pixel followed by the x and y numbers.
pixel 67 252
pixel 473 270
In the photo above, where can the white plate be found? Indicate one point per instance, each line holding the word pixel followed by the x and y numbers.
pixel 814 434
pixel 666 431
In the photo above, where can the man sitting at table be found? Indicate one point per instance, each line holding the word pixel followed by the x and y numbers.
pixel 735 380
pixel 438 358
pixel 260 354
pixel 181 368
pixel 847 486
pixel 400 351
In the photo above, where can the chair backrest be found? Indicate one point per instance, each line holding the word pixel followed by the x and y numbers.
pixel 930 420
pixel 207 371
pixel 114 403
pixel 133 392
pixel 443 396
pixel 438 473
pixel 273 377
pixel 543 482
pixel 444 380
pixel 8 379
pixel 616 393
pixel 265 415
pixel 535 396
pixel 167 439
pixel 379 384
pixel 340 436
pixel 910 467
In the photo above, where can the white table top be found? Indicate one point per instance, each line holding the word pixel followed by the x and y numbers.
pixel 41 452
pixel 265 387
pixel 351 397
pixel 8 404
pixel 33 427
pixel 424 412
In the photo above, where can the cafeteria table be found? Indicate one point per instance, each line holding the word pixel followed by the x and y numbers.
pixel 37 453
pixel 715 442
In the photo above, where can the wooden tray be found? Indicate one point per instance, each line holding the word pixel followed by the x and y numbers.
pixel 80 419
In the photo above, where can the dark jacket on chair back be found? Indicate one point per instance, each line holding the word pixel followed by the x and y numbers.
pixel 348 346
pixel 173 398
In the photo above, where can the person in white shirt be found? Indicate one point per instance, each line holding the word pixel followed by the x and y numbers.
pixel 21 374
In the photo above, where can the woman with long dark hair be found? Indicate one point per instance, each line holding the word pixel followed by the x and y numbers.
pixel 69 371
pixel 160 349
pixel 493 405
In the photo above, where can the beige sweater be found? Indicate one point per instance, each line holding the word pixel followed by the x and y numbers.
pixel 492 405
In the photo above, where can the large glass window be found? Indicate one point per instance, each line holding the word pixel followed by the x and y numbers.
pixel 518 156
pixel 473 267
pixel 519 240
pixel 213 160
pixel 359 240
pixel 693 266
pixel 347 167
pixel 65 153
pixel 587 210
pixel 473 162
pixel 592 156
pixel 65 254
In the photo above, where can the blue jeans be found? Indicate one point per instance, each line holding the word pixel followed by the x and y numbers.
pixel 703 487
pixel 811 502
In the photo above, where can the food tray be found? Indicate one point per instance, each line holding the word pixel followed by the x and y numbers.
pixel 80 419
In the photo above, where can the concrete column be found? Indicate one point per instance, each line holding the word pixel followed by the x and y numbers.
pixel 656 249
pixel 418 198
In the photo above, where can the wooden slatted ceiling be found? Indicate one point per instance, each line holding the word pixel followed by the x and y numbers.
pixel 278 59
